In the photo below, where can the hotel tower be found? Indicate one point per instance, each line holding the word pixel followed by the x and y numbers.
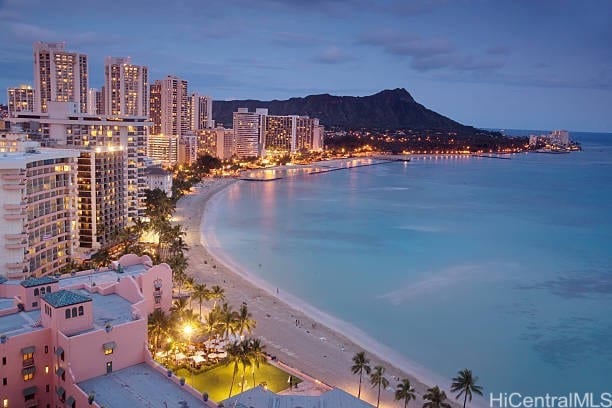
pixel 59 76
pixel 126 88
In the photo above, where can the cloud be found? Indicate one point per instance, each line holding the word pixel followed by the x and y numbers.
pixel 290 39
pixel 332 55
pixel 498 50
pixel 407 44
pixel 28 33
pixel 428 54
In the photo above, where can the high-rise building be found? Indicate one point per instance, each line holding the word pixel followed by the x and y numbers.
pixel 290 134
pixel 279 135
pixel 188 149
pixel 248 131
pixel 102 188
pixel 62 125
pixel 207 141
pixel 201 112
pixel 95 101
pixel 38 206
pixel 155 108
pixel 226 143
pixel 20 99
pixel 163 148
pixel 59 76
pixel 169 107
pixel 126 87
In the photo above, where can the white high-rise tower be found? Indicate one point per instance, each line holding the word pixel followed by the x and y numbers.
pixel 126 87
pixel 59 76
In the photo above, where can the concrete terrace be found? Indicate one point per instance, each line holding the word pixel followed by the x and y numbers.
pixel 259 397
pixel 19 323
pixel 6 303
pixel 139 386
pixel 100 278
pixel 110 308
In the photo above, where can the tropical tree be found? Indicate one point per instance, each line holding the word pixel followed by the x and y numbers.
pixel 158 325
pixel 377 379
pixel 178 308
pixel 405 391
pixel 212 322
pixel 200 293
pixel 244 321
pixel 234 356
pixel 360 364
pixel 217 293
pixel 257 355
pixel 465 384
pixel 227 321
pixel 435 398
pixel 245 360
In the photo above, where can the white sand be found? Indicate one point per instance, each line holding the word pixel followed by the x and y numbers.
pixel 314 347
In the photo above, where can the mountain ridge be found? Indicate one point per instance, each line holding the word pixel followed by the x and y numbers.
pixel 387 109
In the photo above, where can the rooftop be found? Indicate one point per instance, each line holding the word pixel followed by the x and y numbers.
pixel 18 323
pixel 156 171
pixel 138 386
pixel 45 280
pixel 63 298
pixel 109 308
pixel 101 277
pixel 261 398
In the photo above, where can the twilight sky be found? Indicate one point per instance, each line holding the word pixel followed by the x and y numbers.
pixel 510 64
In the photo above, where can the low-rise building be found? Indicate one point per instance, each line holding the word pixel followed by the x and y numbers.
pixel 159 178
pixel 57 334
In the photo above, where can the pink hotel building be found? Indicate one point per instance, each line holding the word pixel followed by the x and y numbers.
pixel 62 341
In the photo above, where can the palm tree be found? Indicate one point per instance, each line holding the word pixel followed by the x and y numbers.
pixel 405 391
pixel 361 364
pixel 178 308
pixel 234 355
pixel 211 322
pixel 200 293
pixel 245 359
pixel 465 383
pixel 217 293
pixel 435 398
pixel 227 321
pixel 257 355
pixel 377 379
pixel 244 321
pixel 158 325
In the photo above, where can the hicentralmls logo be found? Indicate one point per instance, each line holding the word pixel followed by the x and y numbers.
pixel 571 400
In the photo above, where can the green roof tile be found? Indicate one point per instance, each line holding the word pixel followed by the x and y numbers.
pixel 63 298
pixel 45 280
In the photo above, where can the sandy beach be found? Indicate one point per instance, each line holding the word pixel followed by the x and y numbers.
pixel 297 334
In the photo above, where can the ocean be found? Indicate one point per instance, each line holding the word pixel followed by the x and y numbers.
pixel 500 266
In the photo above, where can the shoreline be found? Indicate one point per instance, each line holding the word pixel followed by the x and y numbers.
pixel 326 342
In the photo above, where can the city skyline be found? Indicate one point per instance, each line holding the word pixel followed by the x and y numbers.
pixel 517 65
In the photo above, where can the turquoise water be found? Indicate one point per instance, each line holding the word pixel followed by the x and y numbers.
pixel 501 266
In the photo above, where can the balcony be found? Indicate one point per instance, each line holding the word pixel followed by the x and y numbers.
pixel 15 207
pixel 16 265
pixel 14 177
pixel 16 245
pixel 13 187
pixel 15 216
pixel 16 236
